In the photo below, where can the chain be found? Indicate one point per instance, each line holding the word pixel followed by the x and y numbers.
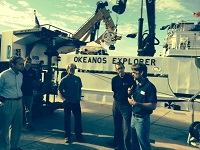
pixel 117 19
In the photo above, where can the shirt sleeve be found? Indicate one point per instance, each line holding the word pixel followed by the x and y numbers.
pixel 151 94
pixel 1 82
pixel 60 86
pixel 81 85
pixel 133 83
pixel 112 84
pixel 80 92
pixel 35 75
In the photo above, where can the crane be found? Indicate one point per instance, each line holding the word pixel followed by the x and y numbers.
pixel 90 28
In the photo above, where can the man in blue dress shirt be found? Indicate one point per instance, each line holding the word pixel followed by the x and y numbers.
pixel 11 108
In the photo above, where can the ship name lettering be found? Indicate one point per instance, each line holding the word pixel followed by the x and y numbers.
pixel 79 59
pixel 129 61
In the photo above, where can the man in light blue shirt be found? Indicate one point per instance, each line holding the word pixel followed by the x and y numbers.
pixel 11 108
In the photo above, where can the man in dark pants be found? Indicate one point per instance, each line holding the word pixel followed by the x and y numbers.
pixel 121 108
pixel 69 91
pixel 29 77
pixel 144 101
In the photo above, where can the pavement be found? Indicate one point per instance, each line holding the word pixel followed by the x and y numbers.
pixel 169 129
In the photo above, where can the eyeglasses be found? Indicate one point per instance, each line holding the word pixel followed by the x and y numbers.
pixel 73 68
pixel 120 68
pixel 135 72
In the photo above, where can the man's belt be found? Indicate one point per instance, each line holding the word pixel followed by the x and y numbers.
pixel 139 116
pixel 14 99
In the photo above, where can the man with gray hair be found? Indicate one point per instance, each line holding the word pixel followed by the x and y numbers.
pixel 121 108
pixel 69 91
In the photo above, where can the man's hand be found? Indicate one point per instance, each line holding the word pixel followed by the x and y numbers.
pixel 130 90
pixel 132 101
pixel 1 103
pixel 149 106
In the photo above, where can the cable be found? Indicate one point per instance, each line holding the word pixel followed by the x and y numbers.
pixel 161 117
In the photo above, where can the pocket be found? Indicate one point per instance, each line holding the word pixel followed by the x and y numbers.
pixel 1 107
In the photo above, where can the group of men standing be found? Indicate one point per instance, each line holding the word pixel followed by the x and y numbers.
pixel 134 101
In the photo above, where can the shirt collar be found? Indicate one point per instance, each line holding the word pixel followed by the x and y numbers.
pixel 13 71
pixel 145 82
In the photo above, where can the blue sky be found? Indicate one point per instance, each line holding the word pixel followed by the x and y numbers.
pixel 70 15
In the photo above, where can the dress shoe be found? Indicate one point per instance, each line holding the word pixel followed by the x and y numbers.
pixel 67 140
pixel 80 138
pixel 29 127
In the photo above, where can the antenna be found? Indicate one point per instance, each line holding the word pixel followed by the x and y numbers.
pixel 37 24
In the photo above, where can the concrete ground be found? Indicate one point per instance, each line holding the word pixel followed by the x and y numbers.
pixel 169 129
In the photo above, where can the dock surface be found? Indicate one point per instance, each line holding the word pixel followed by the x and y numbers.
pixel 169 129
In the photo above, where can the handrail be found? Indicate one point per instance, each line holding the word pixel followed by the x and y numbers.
pixel 84 24
pixel 70 34
pixel 192 99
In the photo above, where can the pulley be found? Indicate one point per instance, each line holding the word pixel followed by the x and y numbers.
pixel 120 6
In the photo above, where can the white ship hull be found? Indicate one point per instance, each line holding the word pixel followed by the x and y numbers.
pixel 175 78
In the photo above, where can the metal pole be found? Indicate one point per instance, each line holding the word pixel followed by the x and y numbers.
pixel 140 30
pixel 192 99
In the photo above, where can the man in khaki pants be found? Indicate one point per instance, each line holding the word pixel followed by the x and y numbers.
pixel 11 108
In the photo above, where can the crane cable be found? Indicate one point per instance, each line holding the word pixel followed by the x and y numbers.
pixel 117 19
